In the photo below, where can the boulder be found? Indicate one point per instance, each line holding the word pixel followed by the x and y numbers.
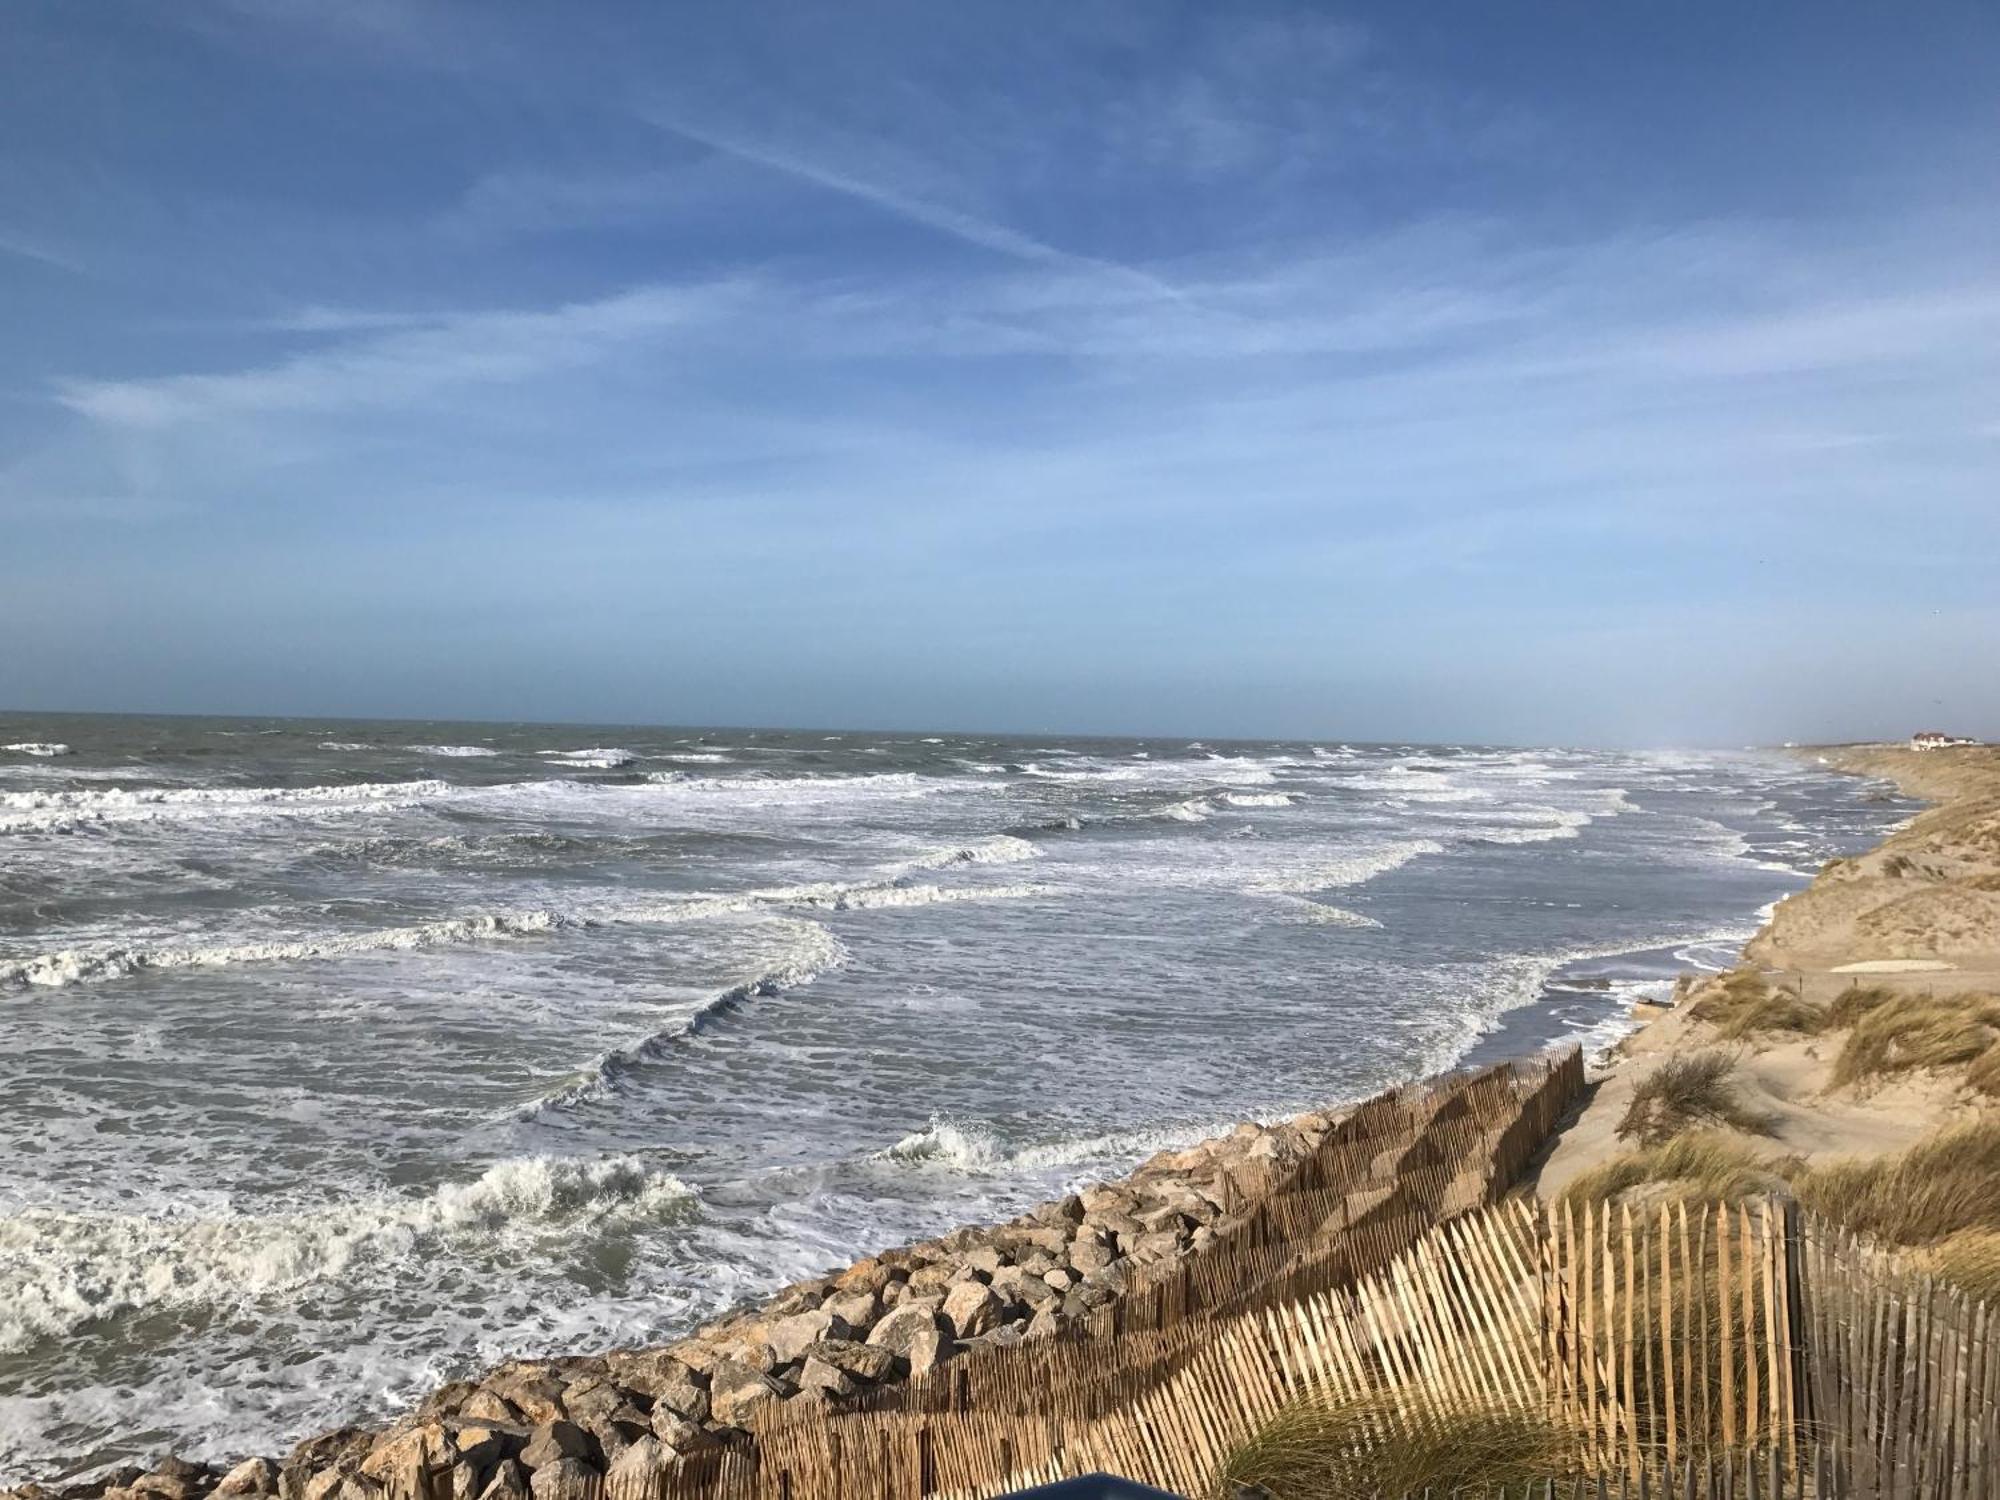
pixel 855 1309
pixel 1046 1324
pixel 863 1362
pixel 565 1479
pixel 485 1405
pixel 869 1275
pixel 686 1395
pixel 637 1471
pixel 1057 1214
pixel 928 1281
pixel 817 1377
pixel 1087 1254
pixel 533 1392
pixel 790 1337
pixel 1062 1278
pixel 679 1434
pixel 899 1326
pixel 971 1309
pixel 736 1390
pixel 553 1442
pixel 480 1446
pixel 254 1476
pixel 407 1458
pixel 507 1483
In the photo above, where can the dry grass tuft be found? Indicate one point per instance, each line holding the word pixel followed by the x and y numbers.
pixel 1983 1077
pixel 1742 1003
pixel 1684 1092
pixel 1700 1166
pixel 1940 1187
pixel 1854 1002
pixel 1362 1450
pixel 1917 1032
pixel 1970 1260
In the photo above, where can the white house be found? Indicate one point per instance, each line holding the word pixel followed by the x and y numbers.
pixel 1931 739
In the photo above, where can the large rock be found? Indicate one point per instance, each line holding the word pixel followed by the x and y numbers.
pixel 1088 1254
pixel 789 1338
pixel 553 1442
pixel 534 1393
pixel 736 1390
pixel 686 1395
pixel 858 1310
pixel 507 1483
pixel 817 1377
pixel 869 1275
pixel 864 1362
pixel 254 1476
pixel 406 1459
pixel 638 1469
pixel 480 1446
pixel 485 1405
pixel 565 1479
pixel 679 1434
pixel 971 1309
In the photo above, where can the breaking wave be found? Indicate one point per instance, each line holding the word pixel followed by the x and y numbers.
pixel 1257 799
pixel 453 752
pixel 43 748
pixel 1001 849
pixel 1355 869
pixel 596 758
pixel 976 1150
pixel 63 812
pixel 60 1271
pixel 77 966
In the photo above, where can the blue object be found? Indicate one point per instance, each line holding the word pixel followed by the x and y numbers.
pixel 1093 1487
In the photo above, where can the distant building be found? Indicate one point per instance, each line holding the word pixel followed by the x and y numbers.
pixel 1931 739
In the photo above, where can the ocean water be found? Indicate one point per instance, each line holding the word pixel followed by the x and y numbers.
pixel 342 1058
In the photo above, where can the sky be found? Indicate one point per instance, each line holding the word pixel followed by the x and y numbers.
pixel 1533 373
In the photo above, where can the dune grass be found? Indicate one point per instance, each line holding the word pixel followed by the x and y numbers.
pixel 1743 1003
pixel 1854 1002
pixel 1699 1166
pixel 1917 1032
pixel 1683 1093
pixel 1943 1186
pixel 1970 1260
pixel 1363 1450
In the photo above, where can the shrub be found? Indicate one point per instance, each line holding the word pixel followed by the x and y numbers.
pixel 1365 1450
pixel 1854 1002
pixel 1683 1092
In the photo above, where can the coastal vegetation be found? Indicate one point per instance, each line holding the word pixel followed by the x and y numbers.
pixel 1684 1092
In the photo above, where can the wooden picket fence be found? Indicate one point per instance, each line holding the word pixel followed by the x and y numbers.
pixel 1707 1351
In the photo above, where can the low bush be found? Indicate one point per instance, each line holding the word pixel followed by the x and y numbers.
pixel 1743 1003
pixel 1684 1092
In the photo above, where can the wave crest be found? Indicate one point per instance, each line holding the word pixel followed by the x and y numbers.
pixel 61 1270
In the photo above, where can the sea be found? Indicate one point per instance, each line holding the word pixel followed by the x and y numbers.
pixel 338 1059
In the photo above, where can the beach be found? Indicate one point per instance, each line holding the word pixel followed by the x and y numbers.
pixel 1307 925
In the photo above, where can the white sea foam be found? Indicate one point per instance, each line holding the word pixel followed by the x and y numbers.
pixel 1000 849
pixel 698 757
pixel 76 966
pixel 1193 810
pixel 37 747
pixel 63 812
pixel 977 1150
pixel 594 758
pixel 344 745
pixel 1257 799
pixel 62 1270
pixel 453 752
pixel 1352 869
pixel 1331 916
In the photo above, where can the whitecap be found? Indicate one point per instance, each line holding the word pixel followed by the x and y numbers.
pixel 595 758
pixel 43 748
pixel 61 1270
pixel 453 752
pixel 1353 869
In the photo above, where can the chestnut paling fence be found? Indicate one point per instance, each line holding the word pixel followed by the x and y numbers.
pixel 1713 1351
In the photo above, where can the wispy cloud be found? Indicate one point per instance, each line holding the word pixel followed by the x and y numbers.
pixel 409 363
pixel 903 204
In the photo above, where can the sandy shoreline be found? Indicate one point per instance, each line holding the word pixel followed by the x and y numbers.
pixel 1917 916
pixel 906 1310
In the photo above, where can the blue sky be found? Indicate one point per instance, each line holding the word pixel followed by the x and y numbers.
pixel 1530 372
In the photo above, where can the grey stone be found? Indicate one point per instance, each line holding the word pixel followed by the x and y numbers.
pixel 640 1464
pixel 554 1441
pixel 898 1327
pixel 971 1309
pixel 254 1476
pixel 565 1479
pixel 736 1390
pixel 865 1362
pixel 817 1376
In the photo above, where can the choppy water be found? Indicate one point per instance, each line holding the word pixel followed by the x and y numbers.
pixel 341 1058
